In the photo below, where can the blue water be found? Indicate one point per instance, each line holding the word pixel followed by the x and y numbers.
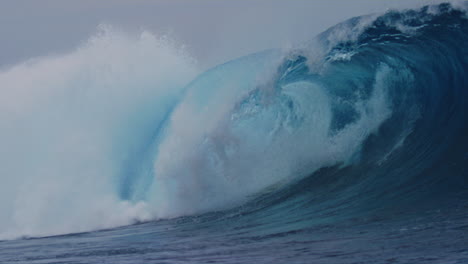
pixel 351 148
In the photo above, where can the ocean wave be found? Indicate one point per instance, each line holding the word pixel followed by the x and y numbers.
pixel 369 115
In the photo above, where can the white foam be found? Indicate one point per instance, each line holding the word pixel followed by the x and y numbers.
pixel 69 124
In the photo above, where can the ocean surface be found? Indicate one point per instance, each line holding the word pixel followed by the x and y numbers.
pixel 350 148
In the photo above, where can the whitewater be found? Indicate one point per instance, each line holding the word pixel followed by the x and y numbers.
pixel 348 148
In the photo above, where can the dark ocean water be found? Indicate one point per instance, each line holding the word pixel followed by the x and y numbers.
pixel 352 148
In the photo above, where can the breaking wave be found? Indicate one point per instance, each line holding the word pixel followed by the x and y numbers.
pixel 370 114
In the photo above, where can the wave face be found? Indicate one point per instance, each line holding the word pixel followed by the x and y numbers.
pixel 373 111
pixel 367 121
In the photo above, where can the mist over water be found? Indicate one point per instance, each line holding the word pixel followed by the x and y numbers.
pixel 73 125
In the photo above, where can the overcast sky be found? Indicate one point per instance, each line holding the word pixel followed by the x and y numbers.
pixel 213 30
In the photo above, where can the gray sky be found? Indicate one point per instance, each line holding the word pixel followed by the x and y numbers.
pixel 213 30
